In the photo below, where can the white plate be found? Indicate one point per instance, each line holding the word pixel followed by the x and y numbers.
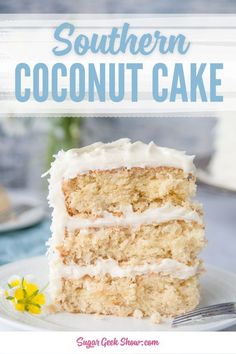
pixel 205 177
pixel 28 218
pixel 216 286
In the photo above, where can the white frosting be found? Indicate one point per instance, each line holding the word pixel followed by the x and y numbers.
pixel 120 153
pixel 110 266
pixel 159 215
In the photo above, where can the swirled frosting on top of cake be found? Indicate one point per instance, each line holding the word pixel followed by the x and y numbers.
pixel 120 153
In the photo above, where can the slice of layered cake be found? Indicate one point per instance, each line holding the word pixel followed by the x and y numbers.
pixel 125 232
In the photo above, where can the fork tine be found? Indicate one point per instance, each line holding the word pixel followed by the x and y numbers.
pixel 211 306
pixel 209 311
pixel 207 308
pixel 206 314
pixel 214 312
pixel 199 317
pixel 186 321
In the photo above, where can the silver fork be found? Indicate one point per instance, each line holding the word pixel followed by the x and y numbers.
pixel 225 309
pixel 14 212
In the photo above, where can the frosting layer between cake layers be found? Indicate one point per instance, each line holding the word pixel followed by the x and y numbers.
pixel 159 215
pixel 108 266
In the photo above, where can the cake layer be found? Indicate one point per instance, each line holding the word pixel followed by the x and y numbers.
pixel 149 293
pixel 92 193
pixel 178 240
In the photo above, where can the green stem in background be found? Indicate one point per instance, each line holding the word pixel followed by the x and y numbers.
pixel 64 134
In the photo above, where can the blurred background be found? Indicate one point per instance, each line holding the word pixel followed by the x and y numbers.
pixel 122 6
pixel 27 146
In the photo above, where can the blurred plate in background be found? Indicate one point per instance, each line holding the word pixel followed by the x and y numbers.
pixel 34 213
pixel 205 177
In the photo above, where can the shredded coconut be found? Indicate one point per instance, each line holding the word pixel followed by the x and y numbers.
pixel 138 314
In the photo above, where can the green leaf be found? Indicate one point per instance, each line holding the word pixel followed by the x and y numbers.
pixel 35 292
pixel 20 301
pixel 10 298
pixel 44 288
pixel 36 305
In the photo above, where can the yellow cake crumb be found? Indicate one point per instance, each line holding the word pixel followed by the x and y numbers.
pixel 138 314
pixel 155 318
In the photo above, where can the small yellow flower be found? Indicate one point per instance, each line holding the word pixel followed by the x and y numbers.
pixel 39 299
pixel 25 295
pixel 14 283
pixel 20 307
pixel 34 309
